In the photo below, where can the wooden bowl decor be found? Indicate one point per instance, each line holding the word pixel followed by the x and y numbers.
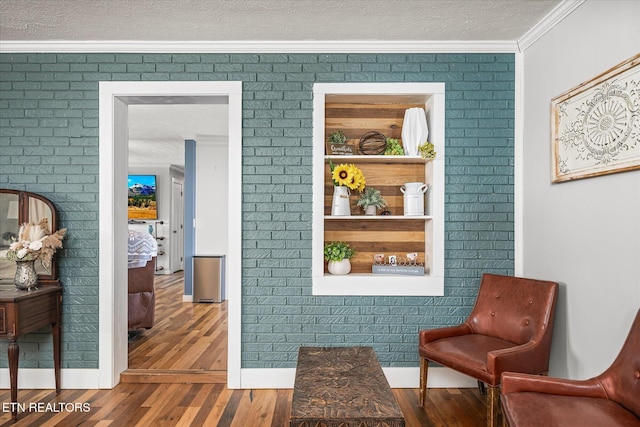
pixel 373 143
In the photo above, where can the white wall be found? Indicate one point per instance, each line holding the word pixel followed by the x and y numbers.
pixel 212 218
pixel 586 233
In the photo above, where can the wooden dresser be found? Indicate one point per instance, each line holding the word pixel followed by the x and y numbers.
pixel 21 311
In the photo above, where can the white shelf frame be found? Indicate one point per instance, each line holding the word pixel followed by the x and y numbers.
pixel 431 284
pixel 378 159
pixel 376 217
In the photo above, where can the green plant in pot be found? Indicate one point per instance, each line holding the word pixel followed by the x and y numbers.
pixel 370 200
pixel 337 137
pixel 338 255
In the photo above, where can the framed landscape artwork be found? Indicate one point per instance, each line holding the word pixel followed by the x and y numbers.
pixel 595 127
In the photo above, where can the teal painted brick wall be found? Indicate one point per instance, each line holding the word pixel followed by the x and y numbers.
pixel 49 145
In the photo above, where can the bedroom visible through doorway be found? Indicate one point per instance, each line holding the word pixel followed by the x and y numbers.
pixel 114 100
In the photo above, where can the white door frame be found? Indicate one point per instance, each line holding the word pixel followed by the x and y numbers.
pixel 113 151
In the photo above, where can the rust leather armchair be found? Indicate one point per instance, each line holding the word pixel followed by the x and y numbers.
pixel 509 329
pixel 611 399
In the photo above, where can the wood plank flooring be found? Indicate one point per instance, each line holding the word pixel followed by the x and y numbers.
pixel 188 342
pixel 173 380
pixel 214 405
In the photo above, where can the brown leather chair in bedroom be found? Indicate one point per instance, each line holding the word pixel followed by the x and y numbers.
pixel 509 329
pixel 610 399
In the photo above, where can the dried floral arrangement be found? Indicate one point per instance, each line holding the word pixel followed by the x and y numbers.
pixel 36 242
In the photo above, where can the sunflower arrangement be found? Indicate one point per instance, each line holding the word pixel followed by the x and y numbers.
pixel 348 175
pixel 35 242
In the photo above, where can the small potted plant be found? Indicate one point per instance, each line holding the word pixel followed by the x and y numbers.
pixel 338 137
pixel 338 254
pixel 370 200
pixel 427 150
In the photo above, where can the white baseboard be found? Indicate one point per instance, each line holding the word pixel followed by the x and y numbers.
pixel 249 378
pixel 31 378
pixel 187 298
pixel 397 377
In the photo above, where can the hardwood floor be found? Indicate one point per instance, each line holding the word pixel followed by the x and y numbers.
pixel 177 377
pixel 215 405
pixel 187 343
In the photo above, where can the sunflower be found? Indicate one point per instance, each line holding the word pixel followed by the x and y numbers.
pixel 358 182
pixel 348 175
pixel 342 175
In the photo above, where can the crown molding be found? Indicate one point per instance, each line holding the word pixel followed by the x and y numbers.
pixel 552 19
pixel 332 46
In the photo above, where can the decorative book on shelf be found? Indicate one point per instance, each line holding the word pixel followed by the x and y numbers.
pixel 393 265
pixel 409 270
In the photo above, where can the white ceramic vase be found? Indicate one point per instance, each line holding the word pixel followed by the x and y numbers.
pixel 339 267
pixel 414 130
pixel 340 205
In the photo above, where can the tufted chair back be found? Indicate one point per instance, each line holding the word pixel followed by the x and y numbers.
pixel 621 380
pixel 514 309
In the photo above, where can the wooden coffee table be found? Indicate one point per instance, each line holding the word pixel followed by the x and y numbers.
pixel 342 386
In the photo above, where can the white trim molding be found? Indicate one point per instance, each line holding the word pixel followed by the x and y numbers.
pixel 518 167
pixel 34 378
pixel 283 378
pixel 242 46
pixel 268 378
pixel 113 99
pixel 553 18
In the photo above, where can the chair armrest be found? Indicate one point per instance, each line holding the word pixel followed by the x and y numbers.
pixel 429 335
pixel 526 358
pixel 513 382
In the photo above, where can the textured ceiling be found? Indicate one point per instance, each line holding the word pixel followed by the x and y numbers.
pixel 157 132
pixel 226 20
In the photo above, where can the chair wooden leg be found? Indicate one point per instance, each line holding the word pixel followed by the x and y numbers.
pixel 482 389
pixel 493 405
pixel 424 371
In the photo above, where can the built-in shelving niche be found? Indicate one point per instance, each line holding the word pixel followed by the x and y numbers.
pixel 356 108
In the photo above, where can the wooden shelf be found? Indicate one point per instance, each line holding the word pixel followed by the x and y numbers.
pixel 376 217
pixel 378 159
pixel 354 109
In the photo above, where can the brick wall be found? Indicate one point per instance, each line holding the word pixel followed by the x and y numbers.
pixel 49 145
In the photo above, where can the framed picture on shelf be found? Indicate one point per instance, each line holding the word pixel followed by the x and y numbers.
pixel 595 126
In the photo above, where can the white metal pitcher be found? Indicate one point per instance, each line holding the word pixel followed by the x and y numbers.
pixel 414 197
pixel 340 203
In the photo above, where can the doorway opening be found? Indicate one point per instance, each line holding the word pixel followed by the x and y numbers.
pixel 115 97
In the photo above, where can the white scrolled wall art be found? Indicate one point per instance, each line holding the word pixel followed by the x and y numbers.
pixel 596 125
